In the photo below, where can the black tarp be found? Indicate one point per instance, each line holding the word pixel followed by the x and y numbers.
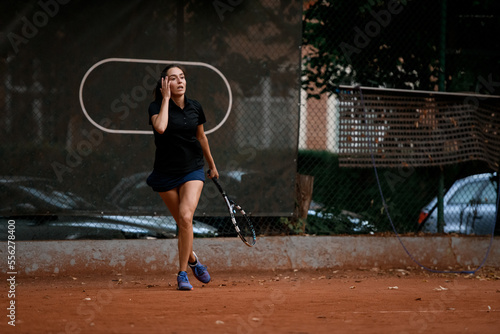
pixel 77 79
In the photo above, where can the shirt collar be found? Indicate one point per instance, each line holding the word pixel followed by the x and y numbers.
pixel 186 102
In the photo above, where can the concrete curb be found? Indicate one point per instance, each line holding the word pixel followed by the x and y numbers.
pixel 42 258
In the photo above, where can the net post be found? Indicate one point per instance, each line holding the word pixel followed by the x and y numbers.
pixel 440 204
pixel 497 222
pixel 442 88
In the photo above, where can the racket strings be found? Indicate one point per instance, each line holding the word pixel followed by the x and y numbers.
pixel 239 218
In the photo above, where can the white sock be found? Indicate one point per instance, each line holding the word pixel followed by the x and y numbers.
pixel 193 264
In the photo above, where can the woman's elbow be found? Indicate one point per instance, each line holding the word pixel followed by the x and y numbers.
pixel 160 129
pixel 202 138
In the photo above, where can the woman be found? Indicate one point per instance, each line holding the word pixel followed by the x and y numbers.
pixel 181 145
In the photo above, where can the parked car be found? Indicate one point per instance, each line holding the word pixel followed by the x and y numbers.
pixel 43 211
pixel 320 220
pixel 469 207
pixel 35 195
pixel 132 194
pixel 63 227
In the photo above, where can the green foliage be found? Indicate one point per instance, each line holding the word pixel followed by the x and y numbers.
pixel 361 41
pixel 401 44
pixel 295 226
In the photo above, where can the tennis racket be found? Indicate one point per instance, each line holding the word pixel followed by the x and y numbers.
pixel 241 222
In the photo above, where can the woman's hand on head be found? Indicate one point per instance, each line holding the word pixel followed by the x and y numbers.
pixel 165 88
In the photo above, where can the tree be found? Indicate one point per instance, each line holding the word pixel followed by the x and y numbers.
pixel 396 44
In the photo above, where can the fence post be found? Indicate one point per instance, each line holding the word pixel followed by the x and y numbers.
pixel 497 223
pixel 440 201
pixel 442 88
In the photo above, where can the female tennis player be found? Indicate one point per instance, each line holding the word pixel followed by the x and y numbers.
pixel 181 145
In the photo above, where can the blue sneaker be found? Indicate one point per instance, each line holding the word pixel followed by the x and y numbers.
pixel 183 281
pixel 200 271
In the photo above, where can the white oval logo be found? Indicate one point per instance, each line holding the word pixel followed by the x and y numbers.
pixel 151 61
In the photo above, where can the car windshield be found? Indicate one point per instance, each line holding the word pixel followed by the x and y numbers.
pixel 489 194
pixel 50 196
pixel 467 193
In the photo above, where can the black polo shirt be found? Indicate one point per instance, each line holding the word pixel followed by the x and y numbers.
pixel 178 151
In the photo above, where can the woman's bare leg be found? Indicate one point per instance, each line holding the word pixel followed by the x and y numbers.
pixel 182 203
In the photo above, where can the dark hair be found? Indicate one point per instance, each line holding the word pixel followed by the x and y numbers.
pixel 157 91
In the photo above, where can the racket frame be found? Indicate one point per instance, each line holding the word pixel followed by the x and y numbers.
pixel 232 207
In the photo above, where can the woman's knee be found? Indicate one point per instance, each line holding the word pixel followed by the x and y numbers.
pixel 185 220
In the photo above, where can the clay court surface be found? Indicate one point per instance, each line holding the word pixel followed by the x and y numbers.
pixel 363 300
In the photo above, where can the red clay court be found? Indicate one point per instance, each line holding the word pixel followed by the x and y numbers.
pixel 363 300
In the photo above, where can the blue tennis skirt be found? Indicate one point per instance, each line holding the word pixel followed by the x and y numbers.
pixel 161 182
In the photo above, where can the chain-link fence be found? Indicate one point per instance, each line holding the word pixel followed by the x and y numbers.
pixel 77 146
pixel 77 79
pixel 411 139
pixel 394 147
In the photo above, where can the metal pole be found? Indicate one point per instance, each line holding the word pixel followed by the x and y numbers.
pixel 442 88
pixel 497 223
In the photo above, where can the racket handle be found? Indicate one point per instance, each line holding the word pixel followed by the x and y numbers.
pixel 216 183
pixel 208 173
